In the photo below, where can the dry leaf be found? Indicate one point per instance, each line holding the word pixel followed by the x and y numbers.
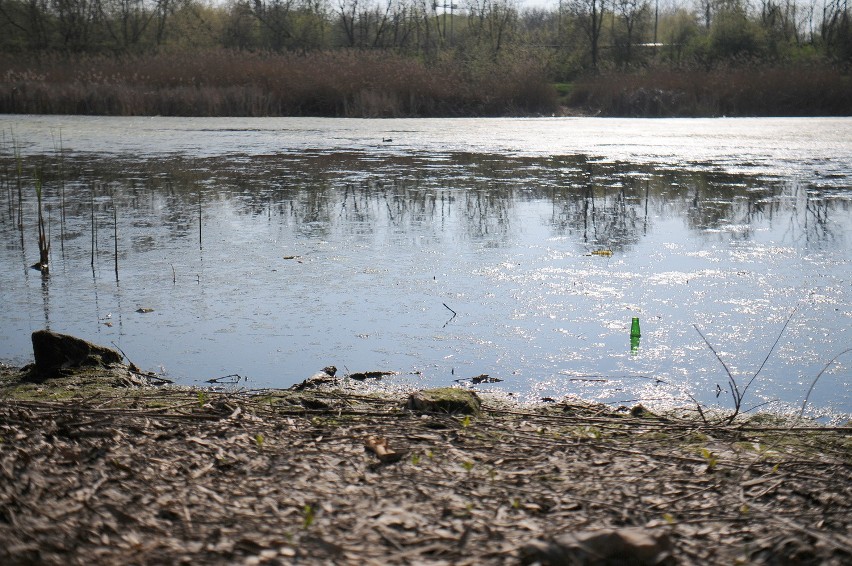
pixel 379 446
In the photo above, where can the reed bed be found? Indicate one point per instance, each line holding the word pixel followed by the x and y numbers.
pixel 737 91
pixel 230 83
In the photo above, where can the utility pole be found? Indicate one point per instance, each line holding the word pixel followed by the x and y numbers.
pixel 443 29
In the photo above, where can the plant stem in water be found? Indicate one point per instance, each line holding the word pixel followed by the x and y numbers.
pixel 199 220
pixel 115 235
pixel 20 192
pixel 94 229
pixel 61 196
pixel 43 242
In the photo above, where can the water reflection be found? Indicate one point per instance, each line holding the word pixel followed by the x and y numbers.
pixel 275 266
pixel 606 205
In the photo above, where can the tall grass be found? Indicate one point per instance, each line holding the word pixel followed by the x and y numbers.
pixel 43 241
pixel 737 91
pixel 229 83
pixel 19 175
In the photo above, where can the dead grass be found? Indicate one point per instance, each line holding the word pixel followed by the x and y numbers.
pixel 229 83
pixel 737 91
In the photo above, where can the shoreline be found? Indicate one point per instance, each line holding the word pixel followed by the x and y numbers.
pixel 109 471
pixel 225 83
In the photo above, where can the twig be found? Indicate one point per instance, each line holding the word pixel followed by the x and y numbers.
pixel 811 388
pixel 732 383
pixel 451 318
pixel 835 540
pixel 117 347
pixel 115 233
pixel 133 367
pixel 759 405
pixel 234 378
pixel 700 410
pixel 738 394
pixel 769 353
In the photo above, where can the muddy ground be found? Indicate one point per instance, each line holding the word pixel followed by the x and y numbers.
pixel 97 470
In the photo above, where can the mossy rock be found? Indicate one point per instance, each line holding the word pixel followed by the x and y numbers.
pixel 27 384
pixel 640 412
pixel 767 420
pixel 56 354
pixel 449 400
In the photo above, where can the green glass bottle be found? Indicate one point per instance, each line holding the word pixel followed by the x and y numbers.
pixel 634 335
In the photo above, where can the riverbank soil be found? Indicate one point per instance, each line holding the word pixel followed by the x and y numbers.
pixel 144 475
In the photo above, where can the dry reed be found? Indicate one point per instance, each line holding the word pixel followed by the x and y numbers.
pixel 228 83
pixel 741 91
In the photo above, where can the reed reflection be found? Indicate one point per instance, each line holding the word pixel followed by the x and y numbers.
pixel 604 205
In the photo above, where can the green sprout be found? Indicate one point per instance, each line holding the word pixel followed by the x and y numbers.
pixel 308 515
pixel 711 459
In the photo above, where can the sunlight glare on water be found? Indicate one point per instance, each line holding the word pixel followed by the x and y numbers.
pixel 321 244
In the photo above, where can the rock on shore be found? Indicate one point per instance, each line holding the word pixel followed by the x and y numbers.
pixel 56 352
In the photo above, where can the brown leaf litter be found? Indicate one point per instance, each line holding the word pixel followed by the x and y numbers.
pixel 177 476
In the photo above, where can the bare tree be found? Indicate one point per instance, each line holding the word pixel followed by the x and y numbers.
pixel 240 26
pixel 275 17
pixel 836 28
pixel 348 10
pixel 705 8
pixel 492 22
pixel 633 17
pixel 125 21
pixel 589 15
pixel 163 10
pixel 29 20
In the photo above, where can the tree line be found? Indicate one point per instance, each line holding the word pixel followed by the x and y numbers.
pixel 570 37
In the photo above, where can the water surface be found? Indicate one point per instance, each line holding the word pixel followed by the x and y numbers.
pixel 445 249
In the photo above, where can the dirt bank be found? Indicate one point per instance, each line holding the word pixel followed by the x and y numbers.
pixel 119 473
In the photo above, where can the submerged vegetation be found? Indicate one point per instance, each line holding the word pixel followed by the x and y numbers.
pixel 410 58
pixel 139 212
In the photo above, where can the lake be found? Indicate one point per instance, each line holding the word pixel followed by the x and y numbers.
pixel 444 250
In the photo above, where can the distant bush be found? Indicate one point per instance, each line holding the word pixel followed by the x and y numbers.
pixel 232 83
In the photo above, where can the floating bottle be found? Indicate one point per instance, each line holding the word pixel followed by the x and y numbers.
pixel 635 333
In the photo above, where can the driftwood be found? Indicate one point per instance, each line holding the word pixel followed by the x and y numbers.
pixel 319 379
